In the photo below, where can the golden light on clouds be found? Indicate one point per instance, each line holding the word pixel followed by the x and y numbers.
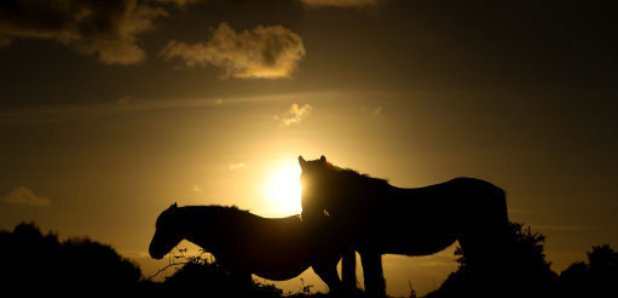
pixel 264 52
pixel 295 114
pixel 108 30
pixel 282 190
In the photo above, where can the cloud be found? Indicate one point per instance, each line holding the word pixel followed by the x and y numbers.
pixel 23 196
pixel 179 3
pixel 341 3
pixel 123 100
pixel 378 111
pixel 4 42
pixel 236 166
pixel 263 52
pixel 106 29
pixel 197 188
pixel 295 114
pixel 571 228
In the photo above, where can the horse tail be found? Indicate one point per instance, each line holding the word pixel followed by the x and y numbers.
pixel 486 202
pixel 502 213
pixel 496 217
pixel 486 247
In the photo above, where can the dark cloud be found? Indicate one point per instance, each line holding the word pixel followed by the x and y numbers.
pixel 24 196
pixel 178 3
pixel 262 52
pixel 107 29
pixel 4 41
pixel 341 3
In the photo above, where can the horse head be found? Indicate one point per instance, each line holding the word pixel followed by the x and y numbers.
pixel 330 190
pixel 168 233
pixel 318 193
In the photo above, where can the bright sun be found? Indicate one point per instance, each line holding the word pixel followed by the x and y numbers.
pixel 283 190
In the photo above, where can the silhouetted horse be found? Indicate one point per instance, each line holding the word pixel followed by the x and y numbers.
pixel 244 243
pixel 418 221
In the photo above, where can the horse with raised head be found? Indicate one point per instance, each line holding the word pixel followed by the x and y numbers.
pixel 244 243
pixel 381 218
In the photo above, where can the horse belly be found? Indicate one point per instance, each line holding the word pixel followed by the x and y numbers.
pixel 275 264
pixel 280 273
pixel 415 244
pixel 278 258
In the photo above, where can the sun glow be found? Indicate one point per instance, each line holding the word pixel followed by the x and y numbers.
pixel 283 190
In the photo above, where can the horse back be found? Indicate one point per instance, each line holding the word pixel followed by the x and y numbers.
pixel 456 203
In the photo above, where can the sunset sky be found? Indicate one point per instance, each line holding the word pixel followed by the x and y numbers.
pixel 110 111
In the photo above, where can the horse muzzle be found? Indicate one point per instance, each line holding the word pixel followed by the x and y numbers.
pixel 154 254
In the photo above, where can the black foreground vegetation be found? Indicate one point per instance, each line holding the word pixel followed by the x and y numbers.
pixel 38 263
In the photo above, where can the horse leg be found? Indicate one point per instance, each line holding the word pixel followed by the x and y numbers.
pixel 238 284
pixel 375 285
pixel 348 269
pixel 242 278
pixel 327 271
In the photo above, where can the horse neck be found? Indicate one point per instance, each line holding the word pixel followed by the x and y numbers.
pixel 204 228
pixel 394 192
pixel 363 201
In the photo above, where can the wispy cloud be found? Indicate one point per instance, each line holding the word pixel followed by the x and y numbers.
pixel 22 195
pixel 128 104
pixel 376 111
pixel 106 29
pixel 341 3
pixel 123 100
pixel 197 188
pixel 236 166
pixel 263 52
pixel 295 114
pixel 571 228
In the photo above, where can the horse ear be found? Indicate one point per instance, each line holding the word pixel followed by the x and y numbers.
pixel 174 206
pixel 323 159
pixel 302 161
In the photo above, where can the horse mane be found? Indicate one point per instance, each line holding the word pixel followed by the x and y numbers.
pixel 351 178
pixel 231 210
pixel 200 211
pixel 217 208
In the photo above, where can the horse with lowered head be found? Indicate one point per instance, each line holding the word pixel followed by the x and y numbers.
pixel 244 243
pixel 381 218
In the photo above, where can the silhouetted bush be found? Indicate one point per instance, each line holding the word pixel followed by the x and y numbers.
pixel 528 274
pixel 525 271
pixel 201 275
pixel 39 264
pixel 197 274
pixel 35 263
pixel 597 278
